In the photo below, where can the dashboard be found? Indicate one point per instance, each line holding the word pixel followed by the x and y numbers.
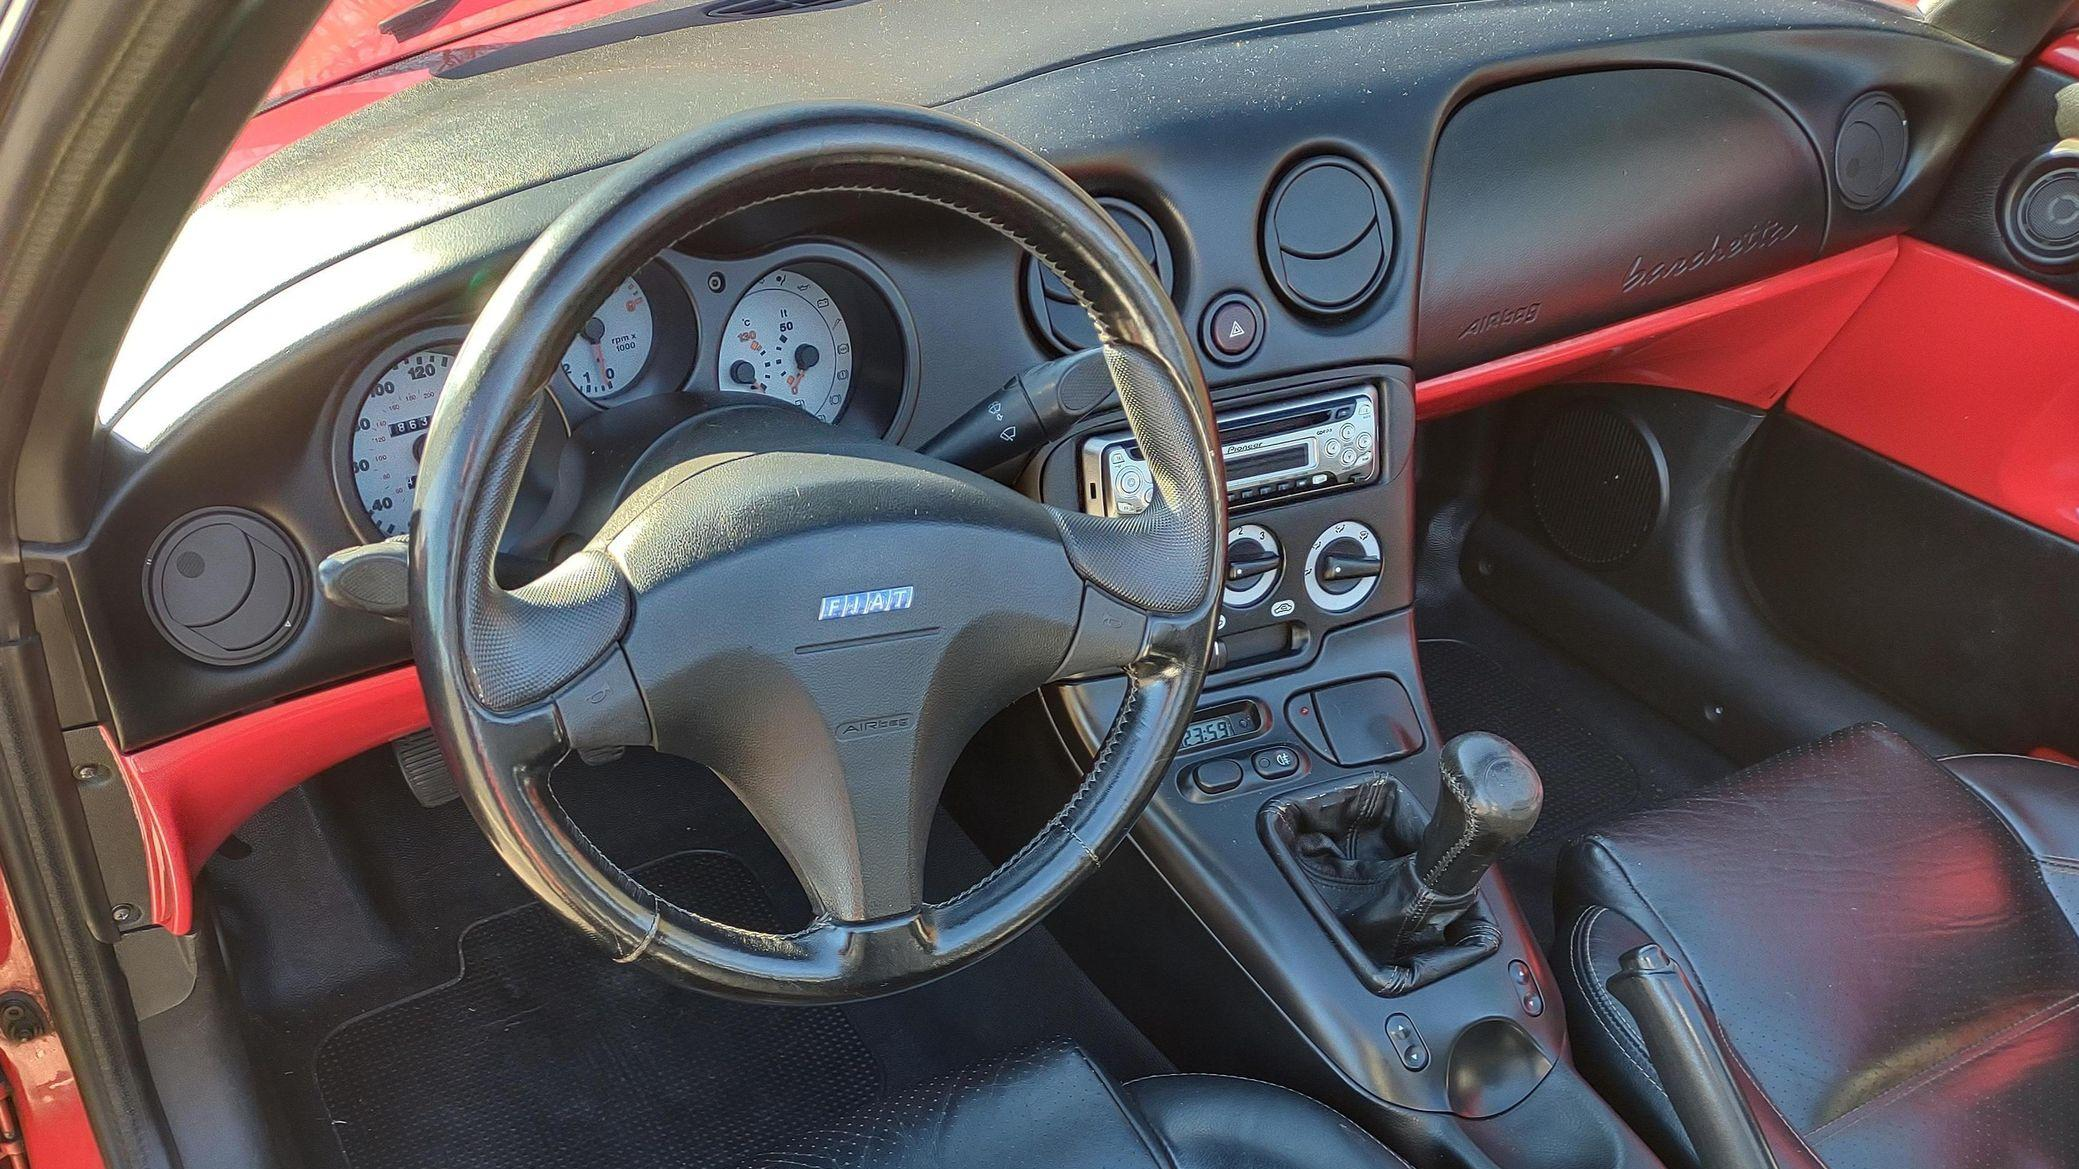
pixel 1377 194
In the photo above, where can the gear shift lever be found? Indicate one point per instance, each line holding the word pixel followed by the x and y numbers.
pixel 1489 799
pixel 1397 890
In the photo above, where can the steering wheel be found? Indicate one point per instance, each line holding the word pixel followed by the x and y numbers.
pixel 822 618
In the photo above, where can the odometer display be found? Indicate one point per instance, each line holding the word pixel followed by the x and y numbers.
pixel 390 434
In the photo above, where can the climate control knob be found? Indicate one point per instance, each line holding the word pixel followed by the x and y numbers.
pixel 1254 562
pixel 1343 567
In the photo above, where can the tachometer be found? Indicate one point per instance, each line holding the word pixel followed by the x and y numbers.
pixel 787 339
pixel 612 347
pixel 390 434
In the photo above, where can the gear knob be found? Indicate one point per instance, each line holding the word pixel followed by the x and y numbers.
pixel 1489 799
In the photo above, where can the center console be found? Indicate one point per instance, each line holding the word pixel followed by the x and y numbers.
pixel 1312 826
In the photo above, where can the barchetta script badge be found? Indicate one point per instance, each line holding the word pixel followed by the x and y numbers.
pixel 870 601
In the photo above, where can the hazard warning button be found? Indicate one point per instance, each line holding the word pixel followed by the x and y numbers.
pixel 1232 328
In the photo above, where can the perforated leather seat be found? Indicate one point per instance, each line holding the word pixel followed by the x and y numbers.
pixel 1888 946
pixel 1052 1108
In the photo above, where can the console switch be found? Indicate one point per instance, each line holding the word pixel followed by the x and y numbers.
pixel 1276 762
pixel 1407 1042
pixel 1527 990
pixel 1217 775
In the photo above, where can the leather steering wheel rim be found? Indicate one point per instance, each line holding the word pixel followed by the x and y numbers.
pixel 514 679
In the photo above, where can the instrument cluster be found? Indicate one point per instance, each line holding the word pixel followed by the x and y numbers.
pixel 813 323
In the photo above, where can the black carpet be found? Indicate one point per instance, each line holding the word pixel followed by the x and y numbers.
pixel 1602 752
pixel 1601 755
pixel 1586 781
pixel 545 1054
pixel 409 1005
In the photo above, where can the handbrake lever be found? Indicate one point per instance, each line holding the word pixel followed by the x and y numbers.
pixel 1691 1068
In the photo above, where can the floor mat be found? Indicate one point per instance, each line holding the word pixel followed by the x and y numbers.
pixel 1588 780
pixel 544 1054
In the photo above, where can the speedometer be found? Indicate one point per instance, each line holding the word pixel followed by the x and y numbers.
pixel 390 434
pixel 612 347
pixel 786 339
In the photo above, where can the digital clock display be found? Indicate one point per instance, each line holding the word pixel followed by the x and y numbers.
pixel 1234 720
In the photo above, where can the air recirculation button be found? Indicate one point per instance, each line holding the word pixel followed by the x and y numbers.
pixel 1328 235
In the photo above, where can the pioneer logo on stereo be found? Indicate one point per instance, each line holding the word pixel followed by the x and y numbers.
pixel 1522 314
pixel 1761 235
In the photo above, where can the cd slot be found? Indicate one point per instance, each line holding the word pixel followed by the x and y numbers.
pixel 1304 419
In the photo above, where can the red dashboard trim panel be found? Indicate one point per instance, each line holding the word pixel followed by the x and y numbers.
pixel 1747 344
pixel 1965 373
pixel 193 792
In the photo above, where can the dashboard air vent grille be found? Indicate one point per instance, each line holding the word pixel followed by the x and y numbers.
pixel 1055 310
pixel 1327 235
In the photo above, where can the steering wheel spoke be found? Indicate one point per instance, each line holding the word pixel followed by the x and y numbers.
pixel 603 712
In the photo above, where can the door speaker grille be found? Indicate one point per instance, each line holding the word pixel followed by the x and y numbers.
pixel 1598 483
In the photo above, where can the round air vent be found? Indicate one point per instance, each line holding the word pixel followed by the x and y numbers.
pixel 1053 307
pixel 1327 235
pixel 1598 483
pixel 1870 150
pixel 225 586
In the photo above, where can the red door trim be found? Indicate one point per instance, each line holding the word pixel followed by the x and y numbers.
pixel 2062 55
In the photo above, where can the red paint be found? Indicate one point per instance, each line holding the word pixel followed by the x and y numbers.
pixel 2054 755
pixel 2062 55
pixel 1747 344
pixel 54 1126
pixel 347 63
pixel 348 39
pixel 1965 373
pixel 193 792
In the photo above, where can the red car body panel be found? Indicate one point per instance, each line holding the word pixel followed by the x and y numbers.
pixel 53 1129
pixel 348 62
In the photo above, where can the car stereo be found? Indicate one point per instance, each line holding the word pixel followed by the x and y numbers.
pixel 1272 452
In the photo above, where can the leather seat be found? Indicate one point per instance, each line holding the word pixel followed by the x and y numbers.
pixel 1888 948
pixel 1052 1108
